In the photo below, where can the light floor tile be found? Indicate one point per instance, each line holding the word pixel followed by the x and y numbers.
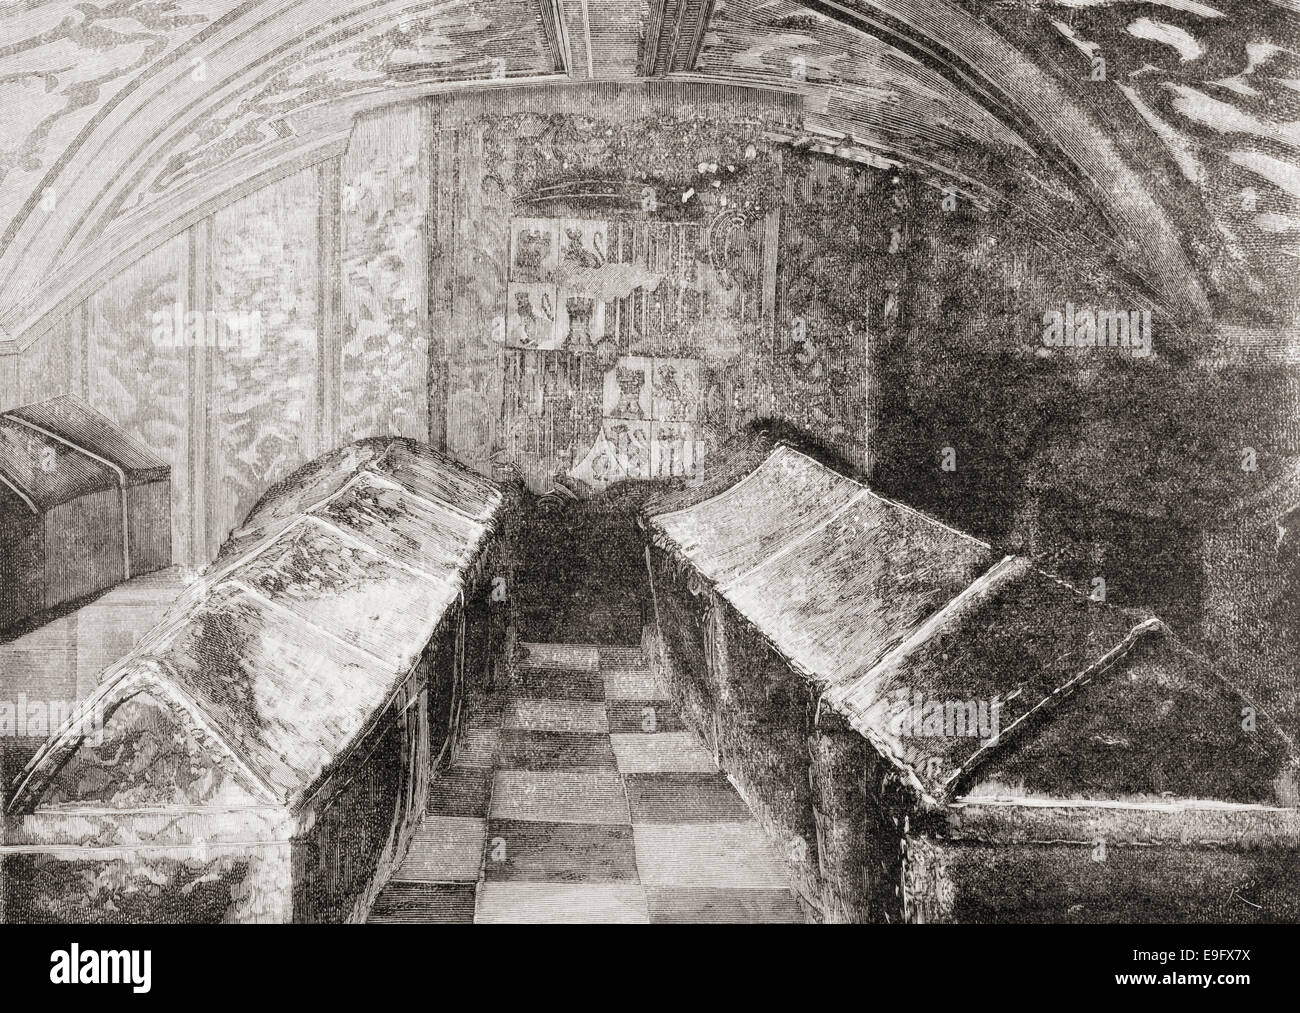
pixel 722 905
pixel 556 715
pixel 661 752
pixel 445 849
pixel 580 656
pixel 706 854
pixel 629 684
pixel 548 903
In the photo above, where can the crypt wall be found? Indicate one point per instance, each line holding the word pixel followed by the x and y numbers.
pixel 596 281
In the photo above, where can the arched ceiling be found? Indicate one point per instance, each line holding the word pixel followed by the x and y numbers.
pixel 122 121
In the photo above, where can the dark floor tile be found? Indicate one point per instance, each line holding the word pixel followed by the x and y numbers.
pixel 522 850
pixel 460 791
pixel 561 684
pixel 424 904
pixel 721 905
pixel 683 798
pixel 477 748
pixel 527 749
pixel 622 658
pixel 616 623
pixel 485 711
pixel 643 716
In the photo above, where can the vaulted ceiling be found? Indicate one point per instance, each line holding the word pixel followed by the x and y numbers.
pixel 123 121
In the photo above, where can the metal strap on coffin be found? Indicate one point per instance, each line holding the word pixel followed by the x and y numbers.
pixel 121 482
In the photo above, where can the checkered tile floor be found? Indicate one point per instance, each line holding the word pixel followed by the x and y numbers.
pixel 585 799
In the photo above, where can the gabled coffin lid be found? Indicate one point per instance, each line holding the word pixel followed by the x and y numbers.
pixel 15 504
pixel 787 496
pixel 851 587
pixel 149 726
pixel 289 650
pixel 829 572
pixel 1092 701
pixel 887 612
pixel 44 473
pixel 964 681
pixel 71 419
pixel 1160 726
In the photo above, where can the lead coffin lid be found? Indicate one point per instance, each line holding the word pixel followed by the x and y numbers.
pixel 886 611
pixel 311 618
